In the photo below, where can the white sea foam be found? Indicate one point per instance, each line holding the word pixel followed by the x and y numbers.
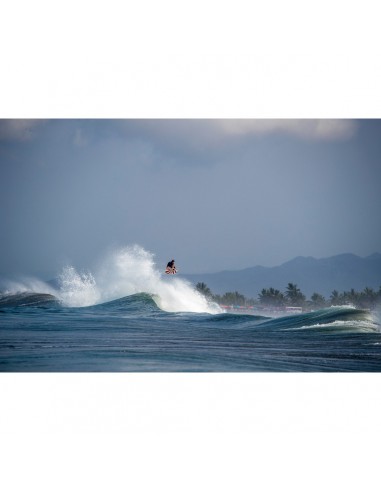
pixel 127 271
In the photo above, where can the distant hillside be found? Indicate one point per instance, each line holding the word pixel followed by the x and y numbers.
pixel 342 272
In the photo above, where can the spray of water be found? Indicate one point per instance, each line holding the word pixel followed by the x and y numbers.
pixel 127 271
pixel 77 289
pixel 26 284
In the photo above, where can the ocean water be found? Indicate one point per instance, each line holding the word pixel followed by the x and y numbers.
pixel 128 316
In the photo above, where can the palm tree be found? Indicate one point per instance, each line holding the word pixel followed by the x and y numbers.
pixel 335 298
pixel 234 298
pixel 318 301
pixel 368 298
pixel 271 297
pixel 203 289
pixel 294 295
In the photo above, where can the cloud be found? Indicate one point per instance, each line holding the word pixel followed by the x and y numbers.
pixel 204 134
pixel 327 129
pixel 19 130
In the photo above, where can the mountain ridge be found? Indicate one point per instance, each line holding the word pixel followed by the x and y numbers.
pixel 340 272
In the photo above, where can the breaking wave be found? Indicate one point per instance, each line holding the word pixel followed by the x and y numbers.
pixel 122 273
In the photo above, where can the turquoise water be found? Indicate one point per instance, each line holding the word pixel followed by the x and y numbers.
pixel 40 333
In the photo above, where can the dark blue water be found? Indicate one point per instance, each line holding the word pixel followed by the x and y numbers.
pixel 39 334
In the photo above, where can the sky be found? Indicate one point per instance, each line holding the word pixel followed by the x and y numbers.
pixel 214 194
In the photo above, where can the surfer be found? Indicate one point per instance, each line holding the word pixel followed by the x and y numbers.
pixel 171 268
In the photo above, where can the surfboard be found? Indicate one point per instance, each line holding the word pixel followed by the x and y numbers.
pixel 169 271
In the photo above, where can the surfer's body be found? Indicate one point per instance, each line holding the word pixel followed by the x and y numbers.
pixel 171 268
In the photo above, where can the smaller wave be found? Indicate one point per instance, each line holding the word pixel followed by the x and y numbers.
pixel 27 299
pixel 333 318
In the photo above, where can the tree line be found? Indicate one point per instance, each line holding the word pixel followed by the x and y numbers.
pixel 293 296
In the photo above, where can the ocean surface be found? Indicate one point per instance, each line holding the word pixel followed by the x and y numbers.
pixel 128 316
